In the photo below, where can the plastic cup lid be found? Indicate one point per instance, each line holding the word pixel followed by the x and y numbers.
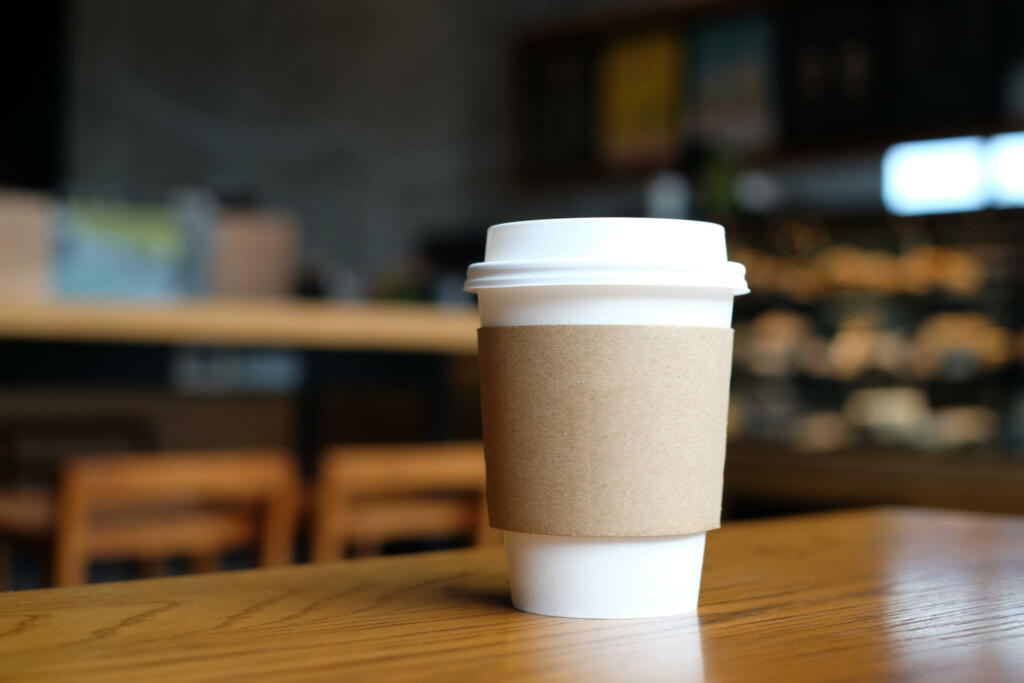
pixel 607 251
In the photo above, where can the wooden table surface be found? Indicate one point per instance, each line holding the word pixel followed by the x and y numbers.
pixel 327 325
pixel 886 594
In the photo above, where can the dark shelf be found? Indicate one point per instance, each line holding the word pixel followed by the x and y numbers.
pixel 897 103
pixel 986 480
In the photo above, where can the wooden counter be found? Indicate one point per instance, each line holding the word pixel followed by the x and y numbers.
pixel 777 477
pixel 287 323
pixel 871 595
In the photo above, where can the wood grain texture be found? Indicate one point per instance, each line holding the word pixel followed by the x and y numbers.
pixel 869 595
pixel 386 327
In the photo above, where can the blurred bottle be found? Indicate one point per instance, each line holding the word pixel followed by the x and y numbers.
pixel 668 195
pixel 198 211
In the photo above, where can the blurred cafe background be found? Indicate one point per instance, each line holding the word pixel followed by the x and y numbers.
pixel 233 237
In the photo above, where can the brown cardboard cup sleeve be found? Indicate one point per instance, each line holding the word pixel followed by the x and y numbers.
pixel 605 430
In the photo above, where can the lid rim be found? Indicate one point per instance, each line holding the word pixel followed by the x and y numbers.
pixel 728 276
pixel 592 220
pixel 732 289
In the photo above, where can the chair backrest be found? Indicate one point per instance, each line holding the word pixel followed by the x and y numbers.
pixel 159 504
pixel 371 494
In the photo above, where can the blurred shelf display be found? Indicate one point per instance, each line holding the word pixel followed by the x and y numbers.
pixel 881 335
pixel 86 249
pixel 622 92
pixel 408 327
pixel 920 270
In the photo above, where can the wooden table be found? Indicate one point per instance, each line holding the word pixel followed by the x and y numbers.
pixel 409 327
pixel 888 594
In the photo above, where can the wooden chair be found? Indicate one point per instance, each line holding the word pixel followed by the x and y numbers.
pixel 152 506
pixel 367 495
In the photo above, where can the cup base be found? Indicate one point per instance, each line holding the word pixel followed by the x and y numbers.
pixel 605 578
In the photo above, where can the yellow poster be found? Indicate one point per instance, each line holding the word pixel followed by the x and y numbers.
pixel 638 96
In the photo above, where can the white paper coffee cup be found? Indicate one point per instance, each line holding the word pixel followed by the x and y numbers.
pixel 606 271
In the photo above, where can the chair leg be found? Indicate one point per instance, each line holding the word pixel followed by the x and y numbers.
pixel 69 568
pixel 484 534
pixel 6 565
pixel 278 537
pixel 367 548
pixel 327 541
pixel 70 539
pixel 151 567
pixel 325 548
pixel 209 562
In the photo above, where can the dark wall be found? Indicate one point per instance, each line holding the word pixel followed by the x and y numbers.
pixel 32 50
